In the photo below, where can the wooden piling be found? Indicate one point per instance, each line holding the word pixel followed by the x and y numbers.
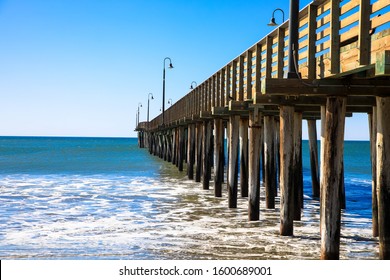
pixel 286 170
pixel 383 175
pixel 198 152
pixel 218 156
pixel 191 151
pixel 312 131
pixel 254 165
pixel 244 122
pixel 330 184
pixel 269 162
pixel 206 152
pixel 297 165
pixel 181 148
pixel 233 160
pixel 372 120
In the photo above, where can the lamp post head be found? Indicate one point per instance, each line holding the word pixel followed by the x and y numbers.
pixel 193 82
pixel 170 65
pixel 272 22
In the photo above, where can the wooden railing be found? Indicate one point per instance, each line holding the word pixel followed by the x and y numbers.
pixel 336 38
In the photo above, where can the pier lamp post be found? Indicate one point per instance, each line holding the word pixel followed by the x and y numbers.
pixel 149 95
pixel 193 82
pixel 273 22
pixel 139 105
pixel 163 100
pixel 293 40
pixel 170 101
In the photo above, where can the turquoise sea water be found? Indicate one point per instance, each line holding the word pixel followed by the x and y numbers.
pixel 104 198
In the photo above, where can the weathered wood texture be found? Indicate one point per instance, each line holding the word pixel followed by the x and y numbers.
pixel 206 154
pixel 254 165
pixel 312 131
pixel 244 122
pixel 330 185
pixel 286 170
pixel 218 156
pixel 372 120
pixel 191 151
pixel 233 160
pixel 198 152
pixel 297 165
pixel 383 175
pixel 269 162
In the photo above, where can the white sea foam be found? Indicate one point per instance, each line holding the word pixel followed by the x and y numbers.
pixel 143 218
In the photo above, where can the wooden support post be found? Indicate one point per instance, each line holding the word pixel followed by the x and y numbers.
pixel 297 165
pixel 383 175
pixel 323 119
pixel 233 160
pixel 191 151
pixel 198 153
pixel 330 184
pixel 177 146
pixel 244 122
pixel 312 131
pixel 181 148
pixel 277 153
pixel 206 149
pixel 218 156
pixel 269 161
pixel 372 118
pixel 286 170
pixel 174 144
pixel 254 165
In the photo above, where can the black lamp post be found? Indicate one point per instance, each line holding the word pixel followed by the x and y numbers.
pixel 193 82
pixel 149 95
pixel 273 22
pixel 163 100
pixel 170 101
pixel 139 105
pixel 293 40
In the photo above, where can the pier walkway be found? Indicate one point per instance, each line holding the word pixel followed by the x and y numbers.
pixel 343 67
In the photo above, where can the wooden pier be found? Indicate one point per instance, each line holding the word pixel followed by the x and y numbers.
pixel 344 65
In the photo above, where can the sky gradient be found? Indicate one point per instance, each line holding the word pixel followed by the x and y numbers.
pixel 81 67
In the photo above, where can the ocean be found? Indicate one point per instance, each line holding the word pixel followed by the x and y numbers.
pixel 104 198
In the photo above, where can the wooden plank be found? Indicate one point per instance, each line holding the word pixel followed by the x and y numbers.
pixel 383 175
pixel 364 32
pixel 356 87
pixel 286 170
pixel 233 160
pixel 255 127
pixel 330 185
pixel 379 5
pixel 181 148
pixel 382 65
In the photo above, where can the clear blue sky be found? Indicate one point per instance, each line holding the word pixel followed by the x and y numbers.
pixel 80 67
